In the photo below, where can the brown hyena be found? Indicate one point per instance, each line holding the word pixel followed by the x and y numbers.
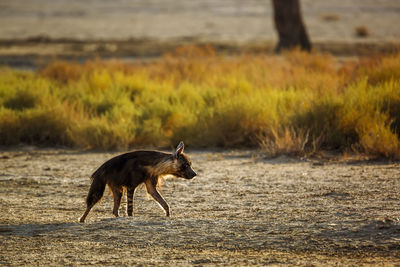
pixel 132 169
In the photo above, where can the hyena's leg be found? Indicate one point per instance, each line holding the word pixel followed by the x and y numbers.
pixel 130 191
pixel 117 194
pixel 151 189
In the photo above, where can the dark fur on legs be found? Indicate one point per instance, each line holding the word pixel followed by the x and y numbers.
pixel 132 169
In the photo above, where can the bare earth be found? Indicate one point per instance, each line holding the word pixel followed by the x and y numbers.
pixel 222 20
pixel 242 209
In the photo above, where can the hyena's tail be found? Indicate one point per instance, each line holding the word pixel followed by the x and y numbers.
pixel 96 192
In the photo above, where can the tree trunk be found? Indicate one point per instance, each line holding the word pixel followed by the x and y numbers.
pixel 289 24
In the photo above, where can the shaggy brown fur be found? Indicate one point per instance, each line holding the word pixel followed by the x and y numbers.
pixel 132 169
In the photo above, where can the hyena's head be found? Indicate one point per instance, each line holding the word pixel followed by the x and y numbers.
pixel 183 166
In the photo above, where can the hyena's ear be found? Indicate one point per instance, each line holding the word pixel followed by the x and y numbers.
pixel 179 150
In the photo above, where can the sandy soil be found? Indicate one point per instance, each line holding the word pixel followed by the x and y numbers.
pixel 242 209
pixel 228 20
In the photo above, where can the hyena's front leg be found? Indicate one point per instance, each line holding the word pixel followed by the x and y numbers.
pixel 129 199
pixel 151 189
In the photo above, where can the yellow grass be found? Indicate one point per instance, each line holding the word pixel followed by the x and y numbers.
pixel 295 104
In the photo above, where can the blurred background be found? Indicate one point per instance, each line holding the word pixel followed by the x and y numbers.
pixel 151 27
pixel 222 20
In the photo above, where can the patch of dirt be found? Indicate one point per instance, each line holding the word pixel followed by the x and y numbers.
pixel 242 209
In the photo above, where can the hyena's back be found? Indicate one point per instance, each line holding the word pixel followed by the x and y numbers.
pixel 129 169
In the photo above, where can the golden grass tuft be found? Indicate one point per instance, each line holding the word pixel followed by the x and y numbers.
pixel 287 141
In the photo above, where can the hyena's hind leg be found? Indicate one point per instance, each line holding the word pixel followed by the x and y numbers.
pixel 96 192
pixel 130 191
pixel 117 194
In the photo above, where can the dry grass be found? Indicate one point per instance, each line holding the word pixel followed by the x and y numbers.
pixel 299 103
pixel 287 142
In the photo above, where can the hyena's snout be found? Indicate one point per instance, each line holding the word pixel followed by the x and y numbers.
pixel 190 173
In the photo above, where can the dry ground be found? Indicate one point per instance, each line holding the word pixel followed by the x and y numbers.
pixel 209 20
pixel 242 209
